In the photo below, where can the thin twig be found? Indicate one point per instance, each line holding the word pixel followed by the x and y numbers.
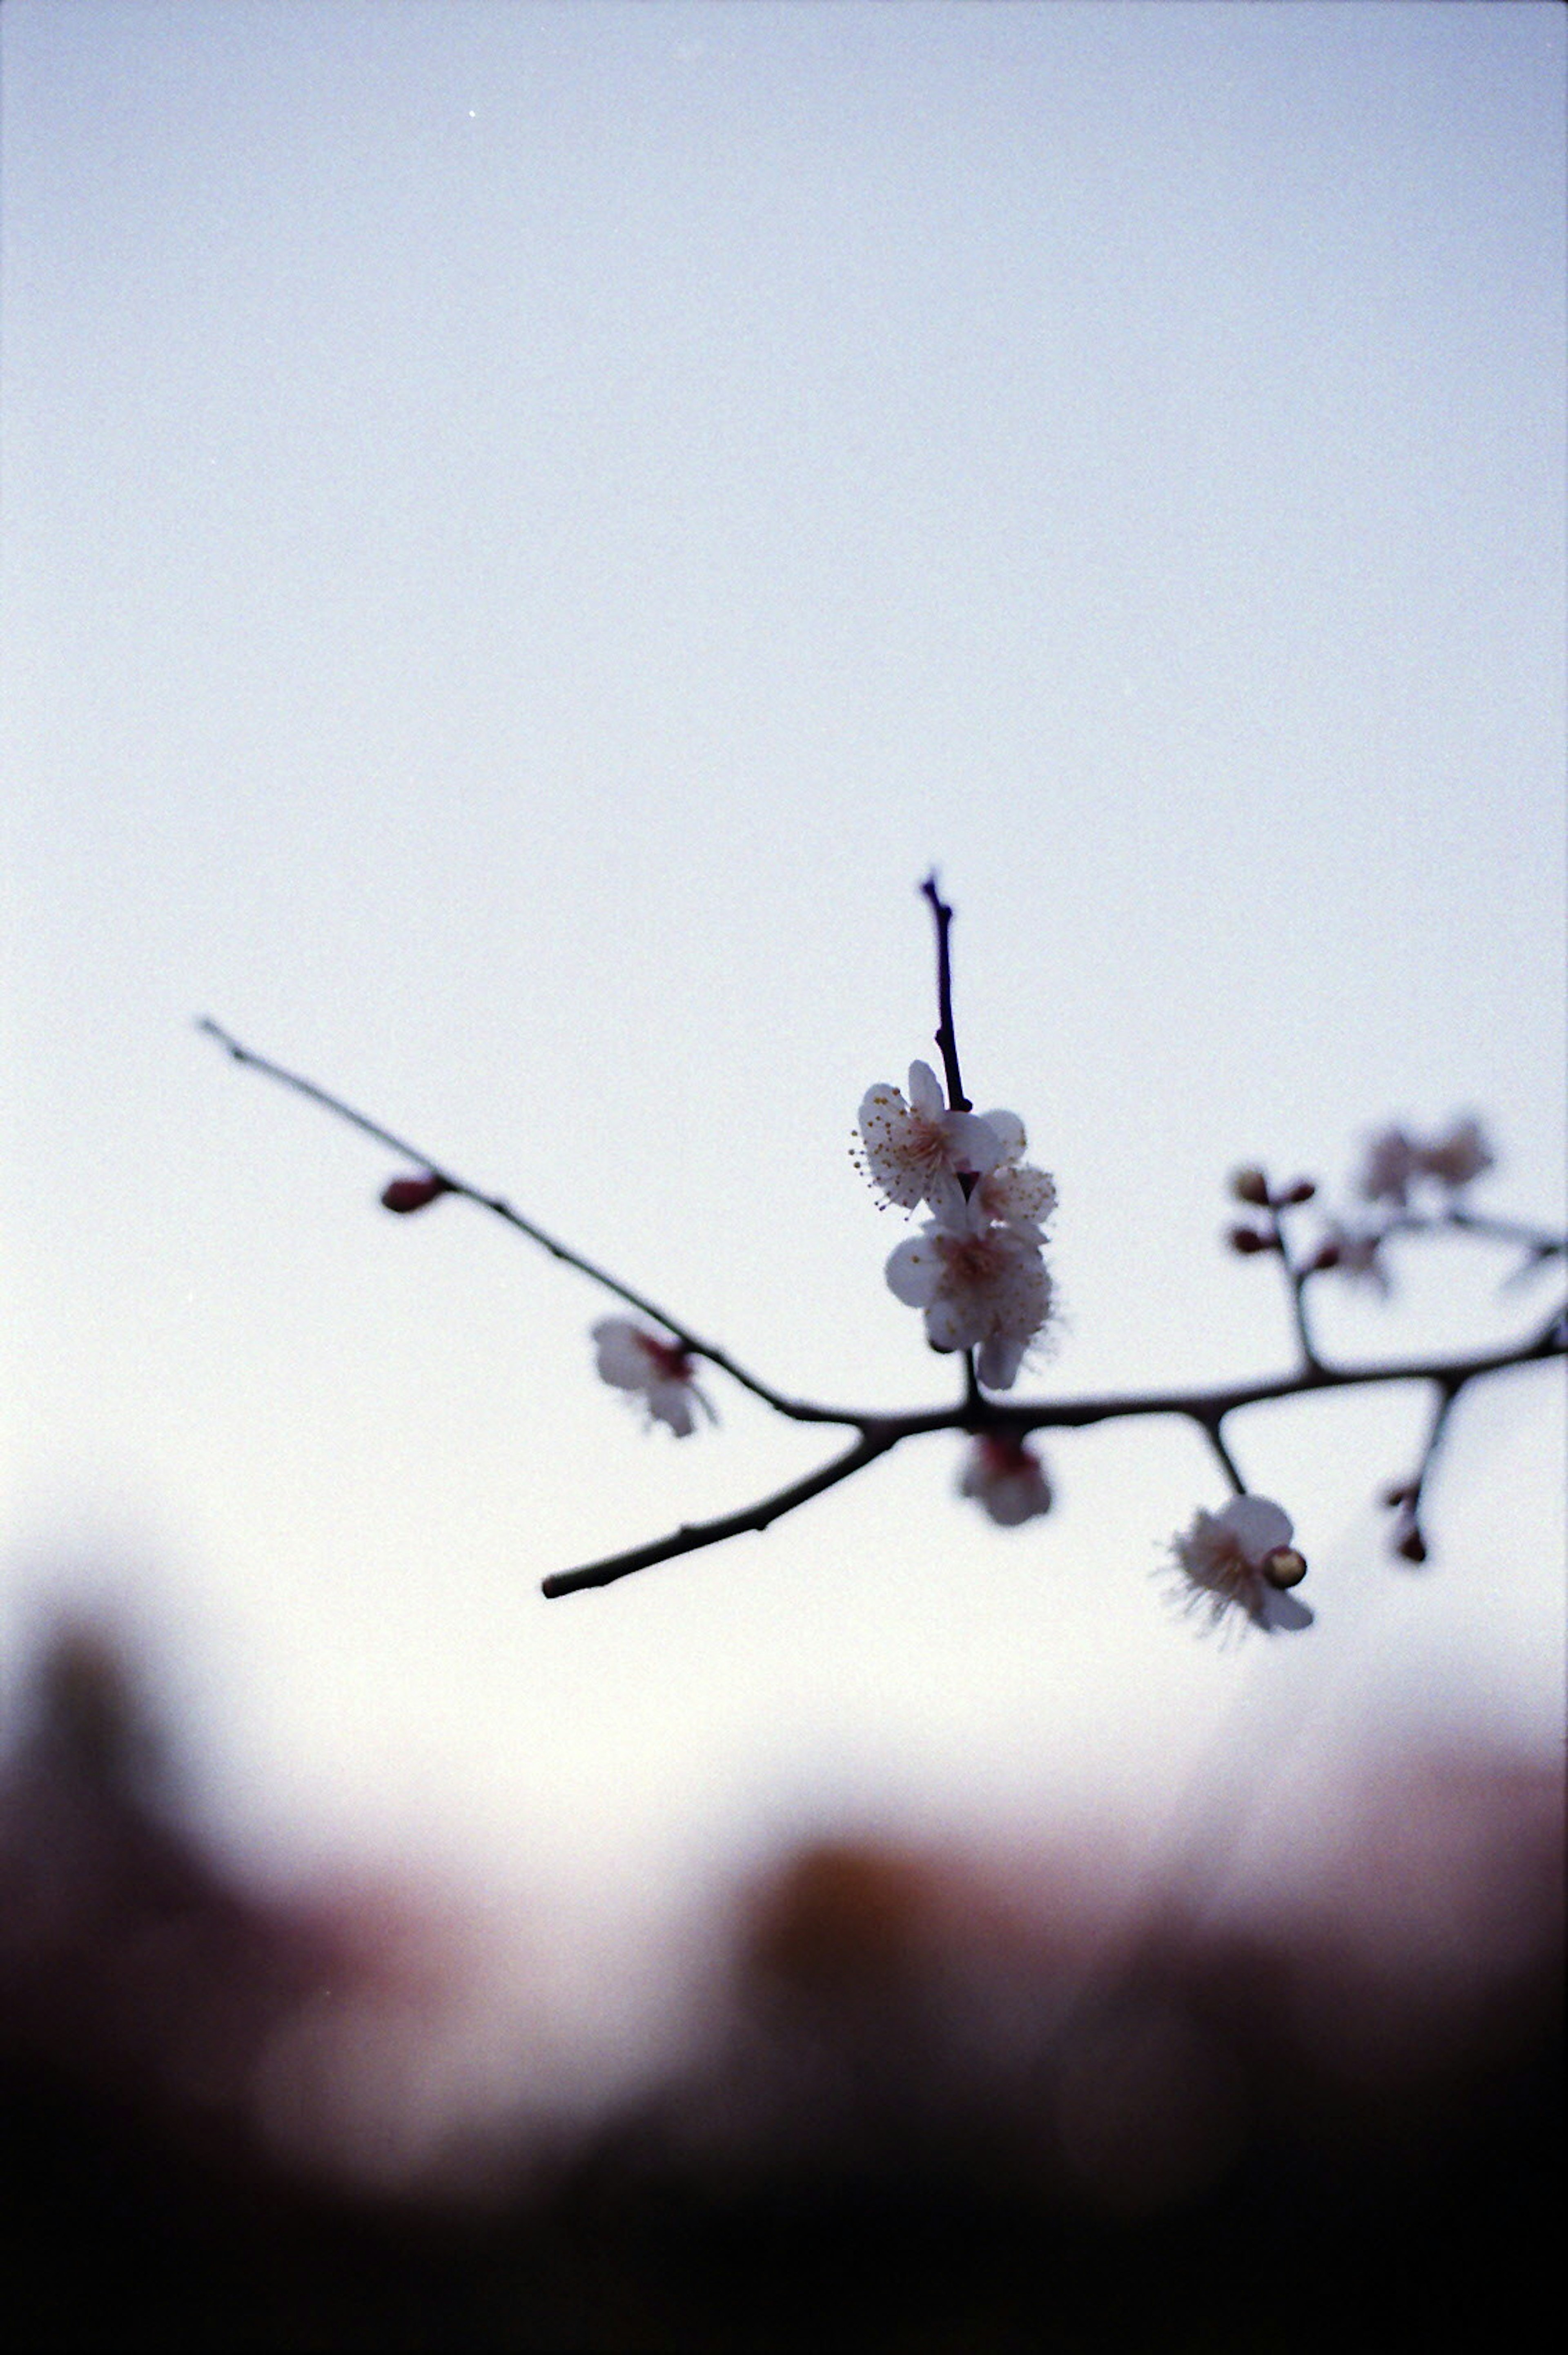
pixel 690 1341
pixel 1210 1426
pixel 946 1038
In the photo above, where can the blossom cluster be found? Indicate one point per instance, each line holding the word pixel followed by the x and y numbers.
pixel 976 1268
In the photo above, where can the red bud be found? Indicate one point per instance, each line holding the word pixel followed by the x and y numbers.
pixel 1412 1546
pixel 405 1194
pixel 1247 1239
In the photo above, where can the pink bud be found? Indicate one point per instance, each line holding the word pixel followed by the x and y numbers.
pixel 1301 1191
pixel 1247 1239
pixel 405 1194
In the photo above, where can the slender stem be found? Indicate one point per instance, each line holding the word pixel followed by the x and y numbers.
pixel 1410 1540
pixel 1210 1426
pixel 946 1038
pixel 875 1440
pixel 691 1341
pixel 1296 1278
pixel 1536 1240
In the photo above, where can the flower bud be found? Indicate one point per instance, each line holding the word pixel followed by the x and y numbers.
pixel 1301 1191
pixel 1326 1256
pixel 1249 1185
pixel 1412 1546
pixel 405 1194
pixel 1399 1492
pixel 1248 1238
pixel 1283 1566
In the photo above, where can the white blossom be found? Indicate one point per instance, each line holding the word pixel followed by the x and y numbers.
pixel 916 1152
pixel 1015 1193
pixel 982 1286
pixel 1242 1557
pixel 1007 1477
pixel 660 1371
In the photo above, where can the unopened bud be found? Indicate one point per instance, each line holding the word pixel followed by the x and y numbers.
pixel 1248 1238
pixel 1283 1566
pixel 1399 1492
pixel 1326 1256
pixel 1249 1185
pixel 1301 1191
pixel 1412 1546
pixel 405 1194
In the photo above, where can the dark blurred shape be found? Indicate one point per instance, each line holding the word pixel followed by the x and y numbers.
pixel 945 2106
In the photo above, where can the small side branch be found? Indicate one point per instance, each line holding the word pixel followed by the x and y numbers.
pixel 875 1440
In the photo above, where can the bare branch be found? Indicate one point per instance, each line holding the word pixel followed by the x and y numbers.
pixel 875 1440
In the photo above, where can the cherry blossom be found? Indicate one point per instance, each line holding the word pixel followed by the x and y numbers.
pixel 1007 1477
pixel 982 1286
pixel 917 1152
pixel 1015 1193
pixel 1393 1162
pixel 1244 1557
pixel 630 1360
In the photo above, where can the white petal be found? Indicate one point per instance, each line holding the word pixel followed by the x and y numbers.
pixel 999 1361
pixel 955 1323
pixel 914 1271
pixel 946 1198
pixel 925 1091
pixel 1282 1613
pixel 622 1358
pixel 1257 1524
pixel 671 1402
pixel 1009 1131
pixel 972 1142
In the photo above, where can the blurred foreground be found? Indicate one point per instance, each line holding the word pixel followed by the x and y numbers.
pixel 929 2103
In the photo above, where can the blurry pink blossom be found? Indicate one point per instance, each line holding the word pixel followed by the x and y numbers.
pixel 1464 1153
pixel 1244 1557
pixel 631 1359
pixel 1392 1161
pixel 1007 1477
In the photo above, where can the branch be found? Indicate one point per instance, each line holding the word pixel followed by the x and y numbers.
pixel 876 1439
pixel 977 1413
pixel 452 1184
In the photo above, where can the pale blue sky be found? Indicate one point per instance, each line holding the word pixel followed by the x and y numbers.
pixel 528 530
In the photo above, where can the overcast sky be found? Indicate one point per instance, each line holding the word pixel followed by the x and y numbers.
pixel 528 530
